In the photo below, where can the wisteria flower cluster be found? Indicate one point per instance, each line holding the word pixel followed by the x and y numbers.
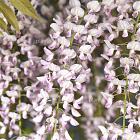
pixel 74 77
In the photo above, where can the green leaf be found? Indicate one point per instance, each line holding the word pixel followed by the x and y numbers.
pixel 3 25
pixel 9 15
pixel 1 33
pixel 25 7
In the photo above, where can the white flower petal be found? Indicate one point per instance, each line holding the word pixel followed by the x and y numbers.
pixel 67 136
pixel 73 122
pixel 75 113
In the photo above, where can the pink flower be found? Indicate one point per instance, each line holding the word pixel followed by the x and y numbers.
pixel 94 6
pixel 108 99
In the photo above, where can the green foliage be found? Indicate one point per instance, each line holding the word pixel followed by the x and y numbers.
pixel 22 5
pixel 9 15
pixel 3 25
pixel 25 7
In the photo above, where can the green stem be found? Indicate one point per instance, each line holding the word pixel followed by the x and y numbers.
pixel 124 111
pixel 125 105
pixel 20 122
pixel 125 90
pixel 72 38
pixel 135 27
pixel 57 113
pixel 118 119
pixel 20 113
pixel 97 90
